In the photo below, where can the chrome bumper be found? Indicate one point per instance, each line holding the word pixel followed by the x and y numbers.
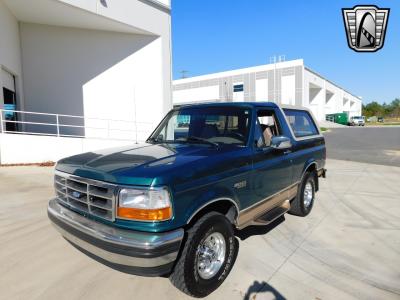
pixel 141 252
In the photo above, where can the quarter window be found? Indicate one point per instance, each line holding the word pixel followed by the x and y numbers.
pixel 301 122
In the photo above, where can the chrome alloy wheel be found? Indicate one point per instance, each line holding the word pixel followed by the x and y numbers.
pixel 308 194
pixel 211 255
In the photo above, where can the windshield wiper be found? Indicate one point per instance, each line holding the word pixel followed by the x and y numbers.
pixel 201 140
pixel 155 140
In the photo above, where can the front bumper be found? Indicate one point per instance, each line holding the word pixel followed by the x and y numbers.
pixel 135 252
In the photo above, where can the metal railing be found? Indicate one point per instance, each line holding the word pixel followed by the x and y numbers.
pixel 62 125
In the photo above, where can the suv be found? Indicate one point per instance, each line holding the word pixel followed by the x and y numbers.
pixel 172 205
pixel 357 121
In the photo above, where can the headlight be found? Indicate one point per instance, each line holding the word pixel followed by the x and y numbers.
pixel 144 205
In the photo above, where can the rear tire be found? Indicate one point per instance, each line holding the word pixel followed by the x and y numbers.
pixel 194 273
pixel 303 203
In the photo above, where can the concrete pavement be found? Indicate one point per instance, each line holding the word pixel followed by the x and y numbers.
pixel 347 248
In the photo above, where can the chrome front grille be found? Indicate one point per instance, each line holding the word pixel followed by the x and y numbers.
pixel 89 196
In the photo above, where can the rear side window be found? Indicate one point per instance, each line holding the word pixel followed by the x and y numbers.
pixel 301 122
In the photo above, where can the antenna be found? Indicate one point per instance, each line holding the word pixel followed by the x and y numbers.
pixel 274 60
pixel 184 73
pixel 277 58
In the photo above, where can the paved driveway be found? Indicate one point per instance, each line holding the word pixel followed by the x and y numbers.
pixel 377 145
pixel 348 248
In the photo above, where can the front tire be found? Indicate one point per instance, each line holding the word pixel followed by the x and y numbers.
pixel 207 257
pixel 304 201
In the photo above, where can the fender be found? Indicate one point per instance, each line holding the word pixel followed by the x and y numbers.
pixel 313 162
pixel 308 164
pixel 211 202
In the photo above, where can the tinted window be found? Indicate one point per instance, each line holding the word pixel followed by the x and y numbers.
pixel 225 125
pixel 301 122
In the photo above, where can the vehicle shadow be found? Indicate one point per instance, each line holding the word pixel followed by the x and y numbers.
pixel 262 287
pixel 258 230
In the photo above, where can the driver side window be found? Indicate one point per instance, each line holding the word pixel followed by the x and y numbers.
pixel 258 136
pixel 266 128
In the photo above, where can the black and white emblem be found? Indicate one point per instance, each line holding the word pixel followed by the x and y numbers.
pixel 365 27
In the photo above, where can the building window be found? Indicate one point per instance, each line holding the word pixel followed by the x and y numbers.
pixel 238 88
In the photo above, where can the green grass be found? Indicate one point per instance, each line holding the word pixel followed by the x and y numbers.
pixel 384 123
pixel 323 129
pixel 394 123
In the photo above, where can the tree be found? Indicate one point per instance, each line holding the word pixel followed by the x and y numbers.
pixel 395 108
pixel 382 110
pixel 373 109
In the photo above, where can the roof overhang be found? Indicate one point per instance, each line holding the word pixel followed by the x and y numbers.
pixel 314 86
pixel 60 13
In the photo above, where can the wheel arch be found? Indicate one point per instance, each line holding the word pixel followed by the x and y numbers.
pixel 224 205
pixel 312 167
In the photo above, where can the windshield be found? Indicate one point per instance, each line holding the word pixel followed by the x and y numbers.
pixel 208 125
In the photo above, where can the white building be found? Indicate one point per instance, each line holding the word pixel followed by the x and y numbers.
pixel 287 82
pixel 96 61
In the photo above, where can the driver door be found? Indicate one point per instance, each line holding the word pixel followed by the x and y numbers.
pixel 272 168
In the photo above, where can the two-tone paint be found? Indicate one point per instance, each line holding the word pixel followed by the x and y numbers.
pixel 200 175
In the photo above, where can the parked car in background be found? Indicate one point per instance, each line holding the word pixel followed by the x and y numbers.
pixel 380 119
pixel 172 205
pixel 357 121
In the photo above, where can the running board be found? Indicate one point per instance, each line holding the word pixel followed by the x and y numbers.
pixel 273 214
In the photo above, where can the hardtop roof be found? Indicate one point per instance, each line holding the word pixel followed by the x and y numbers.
pixel 228 104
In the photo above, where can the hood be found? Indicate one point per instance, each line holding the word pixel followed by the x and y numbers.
pixel 146 164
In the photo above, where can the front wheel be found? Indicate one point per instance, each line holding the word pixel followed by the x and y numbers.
pixel 207 256
pixel 304 201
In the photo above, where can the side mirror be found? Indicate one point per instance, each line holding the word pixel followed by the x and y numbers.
pixel 281 142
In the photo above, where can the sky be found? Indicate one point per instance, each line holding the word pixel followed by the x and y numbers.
pixel 218 35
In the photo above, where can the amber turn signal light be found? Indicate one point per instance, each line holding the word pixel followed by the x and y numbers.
pixel 160 214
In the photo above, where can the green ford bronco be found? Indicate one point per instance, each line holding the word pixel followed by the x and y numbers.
pixel 172 205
